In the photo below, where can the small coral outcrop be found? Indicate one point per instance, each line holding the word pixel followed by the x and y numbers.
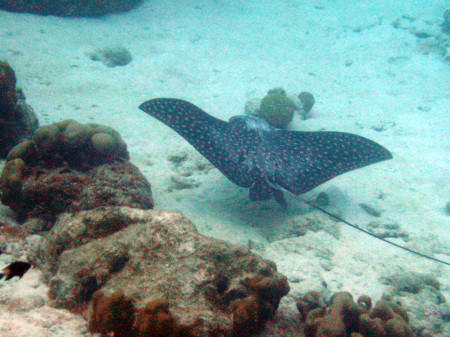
pixel 277 109
pixel 69 166
pixel 307 100
pixel 387 318
pixel 265 292
pixel 17 119
pixel 343 317
pixel 111 56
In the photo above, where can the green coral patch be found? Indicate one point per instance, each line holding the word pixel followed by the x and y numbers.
pixel 277 109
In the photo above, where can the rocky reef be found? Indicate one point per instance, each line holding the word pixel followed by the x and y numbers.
pixel 158 262
pixel 17 119
pixel 433 36
pixel 69 166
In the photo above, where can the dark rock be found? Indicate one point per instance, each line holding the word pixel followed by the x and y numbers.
pixel 74 8
pixel 17 119
pixel 322 200
pixel 447 208
pixel 307 100
pixel 370 210
pixel 46 194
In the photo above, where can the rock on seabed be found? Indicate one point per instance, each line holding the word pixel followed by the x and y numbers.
pixel 149 255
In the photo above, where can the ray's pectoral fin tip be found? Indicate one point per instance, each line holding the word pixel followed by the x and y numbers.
pixel 267 160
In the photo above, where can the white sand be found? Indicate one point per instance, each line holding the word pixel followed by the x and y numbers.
pixel 364 73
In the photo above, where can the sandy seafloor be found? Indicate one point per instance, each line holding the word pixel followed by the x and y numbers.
pixel 368 77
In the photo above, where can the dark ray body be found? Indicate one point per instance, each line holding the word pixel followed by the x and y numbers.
pixel 252 154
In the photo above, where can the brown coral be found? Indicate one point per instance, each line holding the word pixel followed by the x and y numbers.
pixel 311 300
pixel 246 316
pixel 393 317
pixel 111 314
pixel 117 314
pixel 344 317
pixel 341 320
pixel 154 320
pixel 258 299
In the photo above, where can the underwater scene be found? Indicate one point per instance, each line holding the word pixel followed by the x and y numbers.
pixel 225 168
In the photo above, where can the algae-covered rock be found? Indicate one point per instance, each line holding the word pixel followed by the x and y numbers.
pixel 158 259
pixel 277 90
pixel 17 119
pixel 412 282
pixel 277 109
pixel 102 142
pixel 11 178
pixel 8 95
pixel 69 166
pixel 46 139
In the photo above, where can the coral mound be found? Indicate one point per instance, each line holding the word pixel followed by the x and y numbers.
pixel 17 119
pixel 69 166
pixel 277 109
pixel 343 317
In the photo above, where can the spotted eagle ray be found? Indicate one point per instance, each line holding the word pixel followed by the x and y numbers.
pixel 255 155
